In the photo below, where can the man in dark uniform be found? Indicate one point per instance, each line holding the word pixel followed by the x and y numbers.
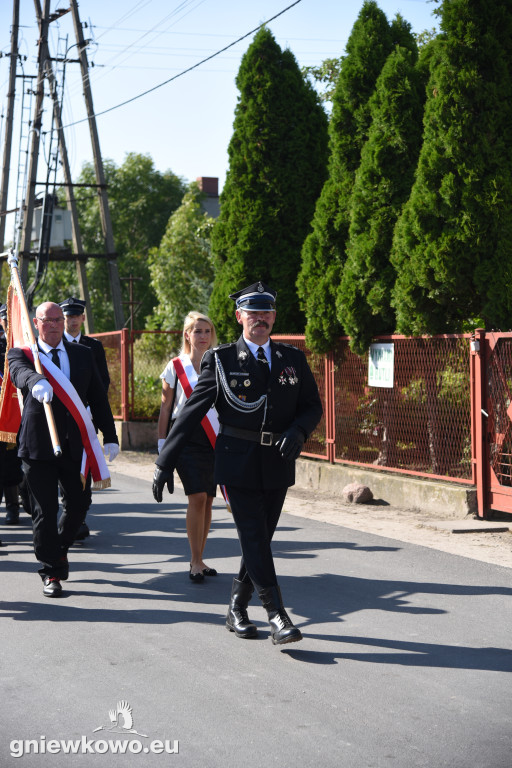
pixel 43 471
pixel 268 404
pixel 74 317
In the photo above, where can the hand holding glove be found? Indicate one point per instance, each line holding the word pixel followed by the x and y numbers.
pixel 160 478
pixel 42 391
pixel 111 450
pixel 161 441
pixel 290 443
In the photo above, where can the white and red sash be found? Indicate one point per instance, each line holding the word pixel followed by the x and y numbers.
pixel 67 394
pixel 188 378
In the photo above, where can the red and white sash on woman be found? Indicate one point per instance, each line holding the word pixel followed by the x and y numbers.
pixel 67 394
pixel 188 378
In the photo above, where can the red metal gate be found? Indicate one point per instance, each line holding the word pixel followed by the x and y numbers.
pixel 493 424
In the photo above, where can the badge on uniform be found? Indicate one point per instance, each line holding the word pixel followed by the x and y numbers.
pixel 233 383
pixel 247 383
pixel 288 376
pixel 242 355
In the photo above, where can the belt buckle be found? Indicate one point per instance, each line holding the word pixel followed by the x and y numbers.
pixel 266 438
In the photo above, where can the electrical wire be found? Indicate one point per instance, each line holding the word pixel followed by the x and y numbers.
pixel 189 69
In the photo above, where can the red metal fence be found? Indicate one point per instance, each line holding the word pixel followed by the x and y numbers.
pixel 421 426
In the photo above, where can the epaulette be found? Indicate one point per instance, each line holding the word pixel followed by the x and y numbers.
pixel 223 346
pixel 284 344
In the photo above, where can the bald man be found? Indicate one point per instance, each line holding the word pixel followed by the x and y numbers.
pixel 43 471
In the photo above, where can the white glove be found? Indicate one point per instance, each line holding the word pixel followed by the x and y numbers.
pixel 111 450
pixel 161 441
pixel 42 391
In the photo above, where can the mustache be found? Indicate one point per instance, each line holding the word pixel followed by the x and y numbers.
pixel 261 323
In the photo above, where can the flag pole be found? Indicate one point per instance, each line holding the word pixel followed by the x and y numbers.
pixel 12 261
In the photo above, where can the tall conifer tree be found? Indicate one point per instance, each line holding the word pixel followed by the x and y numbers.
pixel 382 185
pixel 277 166
pixel 452 244
pixel 323 255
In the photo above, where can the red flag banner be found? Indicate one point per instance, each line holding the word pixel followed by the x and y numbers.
pixel 10 413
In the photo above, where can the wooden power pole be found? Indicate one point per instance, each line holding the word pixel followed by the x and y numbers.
pixel 106 222
pixel 25 218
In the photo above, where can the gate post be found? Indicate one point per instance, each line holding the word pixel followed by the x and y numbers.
pixel 478 433
pixel 330 436
pixel 125 374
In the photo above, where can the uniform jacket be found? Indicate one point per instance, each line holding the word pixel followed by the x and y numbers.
pixel 34 437
pixel 98 353
pixel 292 399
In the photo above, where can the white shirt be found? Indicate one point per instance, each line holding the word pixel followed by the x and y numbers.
pixel 169 375
pixel 254 349
pixel 71 338
pixel 63 355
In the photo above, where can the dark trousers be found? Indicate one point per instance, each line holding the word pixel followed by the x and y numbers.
pixel 256 514
pixel 43 479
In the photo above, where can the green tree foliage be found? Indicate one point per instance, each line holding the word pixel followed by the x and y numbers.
pixel 451 247
pixel 181 268
pixel 141 199
pixel 382 185
pixel 277 165
pixel 325 75
pixel 371 41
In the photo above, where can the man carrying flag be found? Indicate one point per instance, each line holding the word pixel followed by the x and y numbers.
pixel 71 382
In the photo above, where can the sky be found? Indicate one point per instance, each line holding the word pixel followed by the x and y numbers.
pixel 185 125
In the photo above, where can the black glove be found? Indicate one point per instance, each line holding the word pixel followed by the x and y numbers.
pixel 290 443
pixel 160 478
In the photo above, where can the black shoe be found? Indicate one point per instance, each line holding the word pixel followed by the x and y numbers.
pixel 65 564
pixel 197 577
pixel 51 587
pixel 237 620
pixel 209 572
pixel 281 628
pixel 12 516
pixel 82 533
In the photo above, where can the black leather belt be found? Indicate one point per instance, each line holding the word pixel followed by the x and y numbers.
pixel 263 438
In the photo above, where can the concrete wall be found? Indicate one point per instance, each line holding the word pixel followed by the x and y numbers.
pixel 441 499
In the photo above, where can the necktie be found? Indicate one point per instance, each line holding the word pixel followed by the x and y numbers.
pixel 75 341
pixel 263 362
pixel 55 357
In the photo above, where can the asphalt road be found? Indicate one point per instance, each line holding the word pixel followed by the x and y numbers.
pixel 406 660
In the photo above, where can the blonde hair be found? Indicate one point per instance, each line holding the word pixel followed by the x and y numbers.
pixel 188 324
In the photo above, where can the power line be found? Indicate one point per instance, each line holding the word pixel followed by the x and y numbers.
pixel 185 71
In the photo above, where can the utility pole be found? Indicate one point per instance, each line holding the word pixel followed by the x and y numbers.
pixel 134 305
pixel 70 197
pixel 26 225
pixel 9 119
pixel 106 222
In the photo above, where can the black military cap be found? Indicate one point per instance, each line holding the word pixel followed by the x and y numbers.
pixel 73 306
pixel 257 297
pixel 3 312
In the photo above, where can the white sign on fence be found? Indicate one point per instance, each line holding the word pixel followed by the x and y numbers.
pixel 381 365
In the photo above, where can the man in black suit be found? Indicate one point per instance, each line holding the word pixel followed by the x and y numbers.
pixel 74 317
pixel 268 404
pixel 43 471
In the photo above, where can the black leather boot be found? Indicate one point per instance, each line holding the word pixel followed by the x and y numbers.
pixel 12 506
pixel 237 620
pixel 281 628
